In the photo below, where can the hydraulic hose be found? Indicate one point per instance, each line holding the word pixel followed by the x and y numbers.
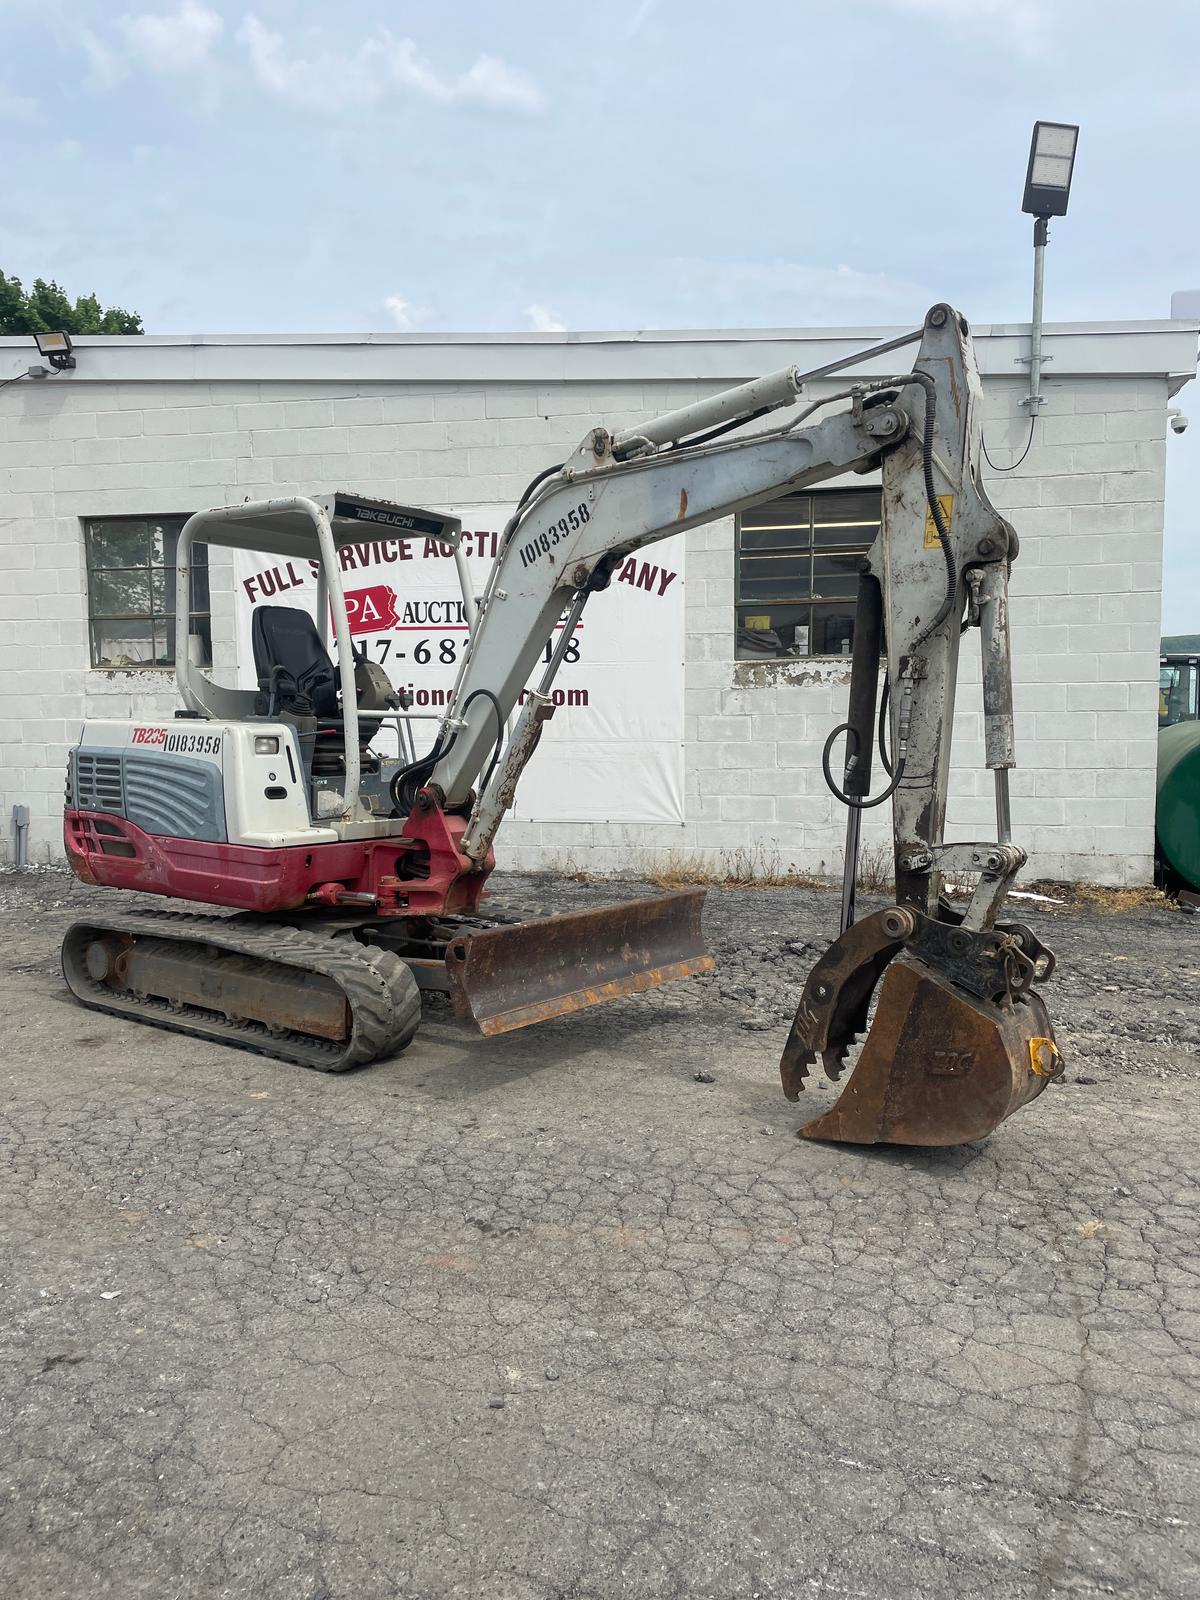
pixel 486 694
pixel 408 780
pixel 849 799
pixel 885 700
pixel 859 727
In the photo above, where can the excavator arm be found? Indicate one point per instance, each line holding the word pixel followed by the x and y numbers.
pixel 962 1039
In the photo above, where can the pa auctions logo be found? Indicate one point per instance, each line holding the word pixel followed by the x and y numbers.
pixel 372 610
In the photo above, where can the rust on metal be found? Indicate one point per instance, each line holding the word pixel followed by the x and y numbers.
pixel 683 504
pixel 218 980
pixel 940 1067
pixel 518 757
pixel 833 1004
pixel 509 977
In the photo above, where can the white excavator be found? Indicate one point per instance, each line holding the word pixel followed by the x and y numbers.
pixel 357 879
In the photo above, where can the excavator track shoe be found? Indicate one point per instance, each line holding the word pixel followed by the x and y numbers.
pixel 940 1067
pixel 301 997
pixel 506 978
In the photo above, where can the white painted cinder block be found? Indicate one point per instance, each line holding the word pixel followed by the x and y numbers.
pixel 1087 503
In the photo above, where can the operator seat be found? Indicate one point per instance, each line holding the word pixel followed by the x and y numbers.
pixel 296 677
pixel 291 661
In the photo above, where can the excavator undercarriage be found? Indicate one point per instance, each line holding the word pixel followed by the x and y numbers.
pixel 336 993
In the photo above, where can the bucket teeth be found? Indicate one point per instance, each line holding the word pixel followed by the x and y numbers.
pixel 834 1061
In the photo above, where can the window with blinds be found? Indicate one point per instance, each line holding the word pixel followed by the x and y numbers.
pixel 797 572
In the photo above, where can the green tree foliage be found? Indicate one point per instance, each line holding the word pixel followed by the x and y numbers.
pixel 46 309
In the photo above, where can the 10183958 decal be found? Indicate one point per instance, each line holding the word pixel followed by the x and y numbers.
pixel 542 543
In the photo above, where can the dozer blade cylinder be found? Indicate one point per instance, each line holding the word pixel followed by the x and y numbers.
pixel 510 977
pixel 940 1067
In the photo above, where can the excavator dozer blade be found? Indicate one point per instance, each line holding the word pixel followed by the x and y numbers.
pixel 512 976
pixel 940 1067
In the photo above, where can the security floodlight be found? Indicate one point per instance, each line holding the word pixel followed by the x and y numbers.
pixel 56 347
pixel 1051 159
pixel 1047 190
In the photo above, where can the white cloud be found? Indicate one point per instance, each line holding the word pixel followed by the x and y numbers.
pixel 398 60
pixel 491 82
pixel 178 42
pixel 106 68
pixel 644 11
pixel 375 68
pixel 542 320
pixel 17 106
pixel 1024 22
pixel 316 77
pixel 279 75
pixel 788 294
pixel 404 316
pixel 69 149
pixel 181 41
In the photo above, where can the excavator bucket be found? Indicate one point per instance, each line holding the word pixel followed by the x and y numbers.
pixel 939 1067
pixel 510 976
pixel 959 1040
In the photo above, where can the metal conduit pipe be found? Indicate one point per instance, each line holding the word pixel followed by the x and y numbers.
pixel 20 816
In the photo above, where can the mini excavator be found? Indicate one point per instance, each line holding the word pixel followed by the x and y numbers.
pixel 357 879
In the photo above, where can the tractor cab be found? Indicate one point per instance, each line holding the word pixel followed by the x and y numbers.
pixel 1178 689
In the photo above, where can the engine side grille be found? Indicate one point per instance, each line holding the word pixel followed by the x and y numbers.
pixel 97 782
pixel 175 797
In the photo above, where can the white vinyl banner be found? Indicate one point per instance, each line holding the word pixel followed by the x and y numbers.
pixel 612 752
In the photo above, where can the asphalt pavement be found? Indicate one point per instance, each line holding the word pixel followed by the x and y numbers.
pixel 547 1318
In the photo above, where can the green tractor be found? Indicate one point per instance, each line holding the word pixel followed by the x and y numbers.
pixel 1177 812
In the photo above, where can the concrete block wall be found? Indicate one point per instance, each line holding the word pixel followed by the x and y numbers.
pixel 1087 502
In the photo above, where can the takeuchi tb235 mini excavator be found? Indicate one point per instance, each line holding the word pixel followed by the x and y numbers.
pixel 358 879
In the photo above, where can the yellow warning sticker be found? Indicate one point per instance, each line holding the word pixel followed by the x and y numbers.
pixel 760 624
pixel 946 507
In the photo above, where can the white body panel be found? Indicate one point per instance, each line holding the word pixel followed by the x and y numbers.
pixel 251 815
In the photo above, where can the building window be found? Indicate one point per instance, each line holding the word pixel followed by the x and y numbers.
pixel 797 572
pixel 131 592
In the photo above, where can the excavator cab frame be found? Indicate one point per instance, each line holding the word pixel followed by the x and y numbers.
pixel 312 532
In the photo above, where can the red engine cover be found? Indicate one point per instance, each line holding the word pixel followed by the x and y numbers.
pixel 420 872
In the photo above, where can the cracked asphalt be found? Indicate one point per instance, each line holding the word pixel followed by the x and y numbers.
pixel 545 1318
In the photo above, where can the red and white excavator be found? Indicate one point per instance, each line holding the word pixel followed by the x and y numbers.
pixel 358 879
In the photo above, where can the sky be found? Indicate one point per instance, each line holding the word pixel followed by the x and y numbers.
pixel 289 166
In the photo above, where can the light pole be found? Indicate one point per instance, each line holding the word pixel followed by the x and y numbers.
pixel 1047 190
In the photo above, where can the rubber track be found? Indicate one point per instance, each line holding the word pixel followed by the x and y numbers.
pixel 385 1003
